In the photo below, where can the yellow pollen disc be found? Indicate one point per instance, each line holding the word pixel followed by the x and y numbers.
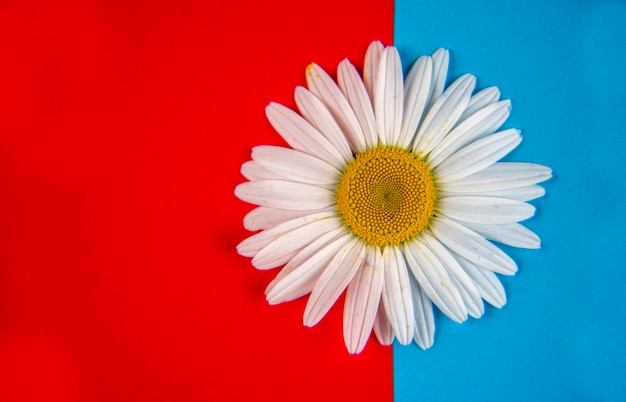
pixel 386 195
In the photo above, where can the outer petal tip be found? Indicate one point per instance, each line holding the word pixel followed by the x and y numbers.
pixel 376 44
pixel 424 346
pixel 237 191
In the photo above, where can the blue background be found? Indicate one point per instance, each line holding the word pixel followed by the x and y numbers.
pixel 562 334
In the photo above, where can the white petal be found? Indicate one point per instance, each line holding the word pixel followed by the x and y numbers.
pixel 334 280
pixel 389 97
pixel 370 68
pixel 486 281
pixel 480 100
pixel 319 116
pixel 477 156
pixel 470 245
pixel 443 115
pixel 397 295
pixel 434 280
pixel 512 234
pixel 281 249
pixel 296 166
pixel 474 303
pixel 282 194
pixel 489 210
pixel 301 135
pixel 416 95
pixel 354 89
pixel 500 176
pixel 440 71
pixel 301 274
pixel 263 218
pixel 463 283
pixel 520 194
pixel 382 327
pixel 250 246
pixel 251 170
pixel 362 302
pixel 424 319
pixel 341 235
pixel 320 83
pixel 484 122
pixel 524 194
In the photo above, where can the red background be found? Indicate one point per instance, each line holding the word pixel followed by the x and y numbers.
pixel 122 128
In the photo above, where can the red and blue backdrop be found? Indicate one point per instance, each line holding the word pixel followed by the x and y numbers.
pixel 122 128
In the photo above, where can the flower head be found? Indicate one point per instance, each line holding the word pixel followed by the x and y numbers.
pixel 391 191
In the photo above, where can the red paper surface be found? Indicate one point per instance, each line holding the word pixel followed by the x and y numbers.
pixel 122 128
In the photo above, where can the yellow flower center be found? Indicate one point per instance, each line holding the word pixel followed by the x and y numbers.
pixel 386 195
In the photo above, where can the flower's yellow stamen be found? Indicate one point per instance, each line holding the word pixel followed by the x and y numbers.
pixel 386 195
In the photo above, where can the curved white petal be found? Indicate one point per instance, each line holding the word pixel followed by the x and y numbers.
pixel 382 327
pixel 263 218
pixel 416 95
pixel 520 194
pixel 282 194
pixel 334 280
pixel 443 115
pixel 524 194
pixel 250 246
pixel 296 166
pixel 370 67
pixel 301 135
pixel 512 234
pixel 362 301
pixel 489 210
pixel 441 59
pixel 500 176
pixel 354 89
pixel 477 156
pixel 320 83
pixel 341 235
pixel 301 274
pixel 251 170
pixel 389 97
pixel 319 116
pixel 474 304
pixel 424 318
pixel 480 100
pixel 486 121
pixel 397 295
pixel 434 280
pixel 280 250
pixel 470 245
pixel 463 283
pixel 486 282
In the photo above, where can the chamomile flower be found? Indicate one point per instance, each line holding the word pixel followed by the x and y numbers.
pixel 390 191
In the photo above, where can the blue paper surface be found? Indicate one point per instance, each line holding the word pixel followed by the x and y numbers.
pixel 562 334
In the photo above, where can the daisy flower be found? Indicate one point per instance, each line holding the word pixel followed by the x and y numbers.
pixel 391 191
